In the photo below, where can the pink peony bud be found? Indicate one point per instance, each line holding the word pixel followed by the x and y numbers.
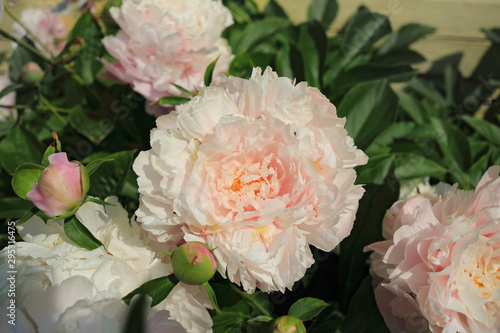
pixel 31 73
pixel 288 324
pixel 61 188
pixel 193 263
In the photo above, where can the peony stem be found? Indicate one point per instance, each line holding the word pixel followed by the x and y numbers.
pixel 28 31
pixel 251 300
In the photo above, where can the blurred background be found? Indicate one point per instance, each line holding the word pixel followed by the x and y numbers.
pixel 458 23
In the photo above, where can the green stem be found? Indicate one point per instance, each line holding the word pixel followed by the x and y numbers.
pixel 22 43
pixel 28 31
pixel 251 300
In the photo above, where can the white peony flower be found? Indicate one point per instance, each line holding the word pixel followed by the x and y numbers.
pixel 61 286
pixel 167 41
pixel 256 169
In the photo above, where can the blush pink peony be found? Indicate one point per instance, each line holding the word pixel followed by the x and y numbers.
pixel 167 41
pixel 258 170
pixel 439 269
pixel 48 27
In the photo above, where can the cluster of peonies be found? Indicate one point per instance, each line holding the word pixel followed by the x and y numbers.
pixel 61 287
pixel 166 42
pixel 439 268
pixel 258 170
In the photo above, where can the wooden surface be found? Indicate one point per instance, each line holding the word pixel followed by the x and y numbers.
pixel 458 23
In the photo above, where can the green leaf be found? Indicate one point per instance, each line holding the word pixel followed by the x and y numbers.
pixel 172 100
pixel 137 315
pixel 241 65
pixel 323 11
pixel 478 169
pixel 412 165
pixel 111 176
pixel 93 129
pixel 283 64
pixel 158 289
pixel 19 147
pixel 487 130
pixel 307 308
pixel 24 177
pixel 310 57
pixel 20 57
pixel 412 107
pixel 27 215
pixel 399 58
pixel 14 207
pixel 404 36
pixel 209 72
pixel 184 90
pixel 369 109
pixel 361 32
pixel 363 315
pixel 352 266
pixel 273 9
pixel 95 164
pixel 239 14
pixel 87 64
pixel 257 32
pixel 54 147
pixel 375 171
pixel 99 202
pixel 264 319
pixel 80 235
pixel 212 297
pixel 453 144
pixel 492 34
pixel 11 88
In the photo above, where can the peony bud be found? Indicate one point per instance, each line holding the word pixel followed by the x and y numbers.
pixel 193 263
pixel 61 187
pixel 288 324
pixel 31 73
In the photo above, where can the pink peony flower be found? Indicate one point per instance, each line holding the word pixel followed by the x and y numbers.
pixel 49 28
pixel 258 170
pixel 439 269
pixel 167 41
pixel 61 187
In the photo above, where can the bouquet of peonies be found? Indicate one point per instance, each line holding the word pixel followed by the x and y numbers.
pixel 180 166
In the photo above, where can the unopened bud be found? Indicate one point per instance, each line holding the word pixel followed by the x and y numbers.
pixel 193 263
pixel 289 324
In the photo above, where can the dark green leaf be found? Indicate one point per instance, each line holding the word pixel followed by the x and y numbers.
pixel 24 177
pixel 399 58
pixel 20 57
pixel 14 208
pixel 323 11
pixel 487 130
pixel 110 177
pixel 209 72
pixel 363 315
pixel 492 34
pixel 453 144
pixel 310 57
pixel 369 108
pixel 257 32
pixel 80 235
pixel 158 289
pixel 241 65
pixel 212 297
pixel 273 9
pixel 87 64
pixel 403 37
pixel 361 32
pixel 352 266
pixel 478 169
pixel 239 14
pixel 283 64
pixel 412 107
pixel 19 147
pixel 307 308
pixel 11 88
pixel 173 100
pixel 427 91
pixel 137 315
pixel 375 171
pixel 95 164
pixel 93 129
pixel 412 165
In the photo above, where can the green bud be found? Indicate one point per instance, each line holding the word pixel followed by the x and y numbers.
pixel 193 263
pixel 288 324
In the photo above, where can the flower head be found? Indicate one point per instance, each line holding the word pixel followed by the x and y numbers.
pixel 256 169
pixel 166 42
pixel 439 267
pixel 61 188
